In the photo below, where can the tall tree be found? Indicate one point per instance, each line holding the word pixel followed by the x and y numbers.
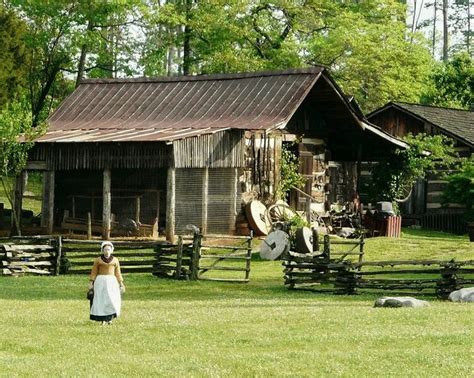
pixel 453 83
pixel 445 31
pixel 13 55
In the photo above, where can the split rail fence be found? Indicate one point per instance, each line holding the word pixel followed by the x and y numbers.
pixel 322 272
pixel 205 258
pixel 199 258
pixel 32 255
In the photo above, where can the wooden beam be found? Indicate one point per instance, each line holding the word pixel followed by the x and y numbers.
pixel 170 203
pixel 233 202
pixel 18 203
pixel 106 204
pixel 36 166
pixel 205 200
pixel 137 209
pixel 50 183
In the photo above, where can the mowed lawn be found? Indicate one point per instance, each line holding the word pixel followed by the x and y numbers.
pixel 171 328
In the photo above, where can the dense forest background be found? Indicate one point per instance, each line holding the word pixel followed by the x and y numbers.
pixel 377 50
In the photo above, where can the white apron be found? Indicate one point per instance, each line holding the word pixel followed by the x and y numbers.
pixel 107 299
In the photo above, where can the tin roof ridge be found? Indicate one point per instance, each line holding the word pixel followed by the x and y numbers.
pixel 209 77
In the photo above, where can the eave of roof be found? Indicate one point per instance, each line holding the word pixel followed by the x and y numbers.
pixel 404 107
pixel 165 109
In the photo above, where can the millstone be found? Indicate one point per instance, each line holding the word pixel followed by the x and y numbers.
pixel 462 295
pixel 395 302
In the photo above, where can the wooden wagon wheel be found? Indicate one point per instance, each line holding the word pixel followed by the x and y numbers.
pixel 405 193
pixel 257 215
pixel 280 212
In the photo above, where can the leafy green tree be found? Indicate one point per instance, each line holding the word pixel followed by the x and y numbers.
pixel 13 55
pixel 16 137
pixel 394 177
pixel 460 188
pixel 453 83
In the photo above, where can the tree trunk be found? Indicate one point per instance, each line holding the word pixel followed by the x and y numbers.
pixel 445 31
pixel 435 16
pixel 187 40
pixel 468 37
pixel 82 59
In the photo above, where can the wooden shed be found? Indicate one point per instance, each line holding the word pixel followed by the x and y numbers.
pixel 191 150
pixel 399 119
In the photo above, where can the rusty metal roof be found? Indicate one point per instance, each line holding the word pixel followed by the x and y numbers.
pixel 172 108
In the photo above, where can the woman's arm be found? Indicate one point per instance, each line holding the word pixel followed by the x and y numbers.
pixel 118 273
pixel 94 271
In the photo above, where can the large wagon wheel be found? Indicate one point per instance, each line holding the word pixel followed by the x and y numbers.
pixel 405 192
pixel 280 212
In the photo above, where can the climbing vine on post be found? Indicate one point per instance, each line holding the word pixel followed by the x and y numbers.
pixel 393 178
pixel 290 176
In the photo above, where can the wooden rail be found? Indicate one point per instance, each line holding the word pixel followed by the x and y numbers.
pixel 322 274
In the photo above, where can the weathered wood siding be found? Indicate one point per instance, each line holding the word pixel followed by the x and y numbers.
pixel 224 149
pixel 71 156
pixel 263 168
pixel 398 123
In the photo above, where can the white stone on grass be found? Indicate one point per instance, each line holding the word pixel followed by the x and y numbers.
pixel 400 302
pixel 462 295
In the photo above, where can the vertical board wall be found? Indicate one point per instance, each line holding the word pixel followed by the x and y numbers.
pixel 223 199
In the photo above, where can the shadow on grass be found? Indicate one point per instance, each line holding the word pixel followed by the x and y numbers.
pixel 428 234
pixel 144 287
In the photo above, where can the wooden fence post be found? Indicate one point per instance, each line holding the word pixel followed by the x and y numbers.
pixel 249 255
pixel 179 258
pixel 59 247
pixel 327 247
pixel 89 226
pixel 361 248
pixel 195 256
pixel 315 240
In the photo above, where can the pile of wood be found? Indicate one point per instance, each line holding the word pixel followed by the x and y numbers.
pixel 178 261
pixel 38 259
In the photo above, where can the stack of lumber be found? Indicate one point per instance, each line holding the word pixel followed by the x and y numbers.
pixel 28 259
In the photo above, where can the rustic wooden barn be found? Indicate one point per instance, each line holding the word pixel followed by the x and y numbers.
pixel 399 119
pixel 190 150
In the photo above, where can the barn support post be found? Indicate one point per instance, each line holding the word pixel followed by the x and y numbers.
pixel 205 200
pixel 106 204
pixel 170 203
pixel 137 209
pixel 18 203
pixel 358 167
pixel 47 205
pixel 233 203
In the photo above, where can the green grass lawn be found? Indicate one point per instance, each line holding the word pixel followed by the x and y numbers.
pixel 171 328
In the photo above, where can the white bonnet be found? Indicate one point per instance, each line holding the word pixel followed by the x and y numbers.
pixel 106 243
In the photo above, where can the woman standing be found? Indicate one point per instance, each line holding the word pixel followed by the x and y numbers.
pixel 107 282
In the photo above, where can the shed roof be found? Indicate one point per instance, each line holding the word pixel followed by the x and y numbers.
pixel 173 108
pixel 169 108
pixel 458 123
